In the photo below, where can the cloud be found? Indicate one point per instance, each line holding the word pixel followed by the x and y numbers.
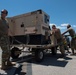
pixel 64 24
pixel 74 26
pixel 60 27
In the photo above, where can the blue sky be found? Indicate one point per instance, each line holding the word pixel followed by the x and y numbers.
pixel 61 12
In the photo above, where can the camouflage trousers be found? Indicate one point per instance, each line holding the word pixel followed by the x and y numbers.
pixel 73 43
pixel 61 46
pixel 4 43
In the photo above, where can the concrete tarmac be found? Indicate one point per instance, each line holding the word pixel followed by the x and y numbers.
pixel 51 65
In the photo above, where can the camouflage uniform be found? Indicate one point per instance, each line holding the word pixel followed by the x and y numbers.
pixel 73 41
pixel 65 44
pixel 58 36
pixel 4 41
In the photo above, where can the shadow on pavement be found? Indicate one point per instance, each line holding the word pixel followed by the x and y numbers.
pixel 52 60
pixel 8 72
pixel 49 60
pixel 19 71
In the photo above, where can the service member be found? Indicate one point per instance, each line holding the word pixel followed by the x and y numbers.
pixel 58 36
pixel 4 40
pixel 73 37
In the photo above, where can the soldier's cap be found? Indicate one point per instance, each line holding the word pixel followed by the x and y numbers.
pixel 68 26
pixel 4 11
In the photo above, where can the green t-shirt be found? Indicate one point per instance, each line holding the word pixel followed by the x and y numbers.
pixel 3 26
